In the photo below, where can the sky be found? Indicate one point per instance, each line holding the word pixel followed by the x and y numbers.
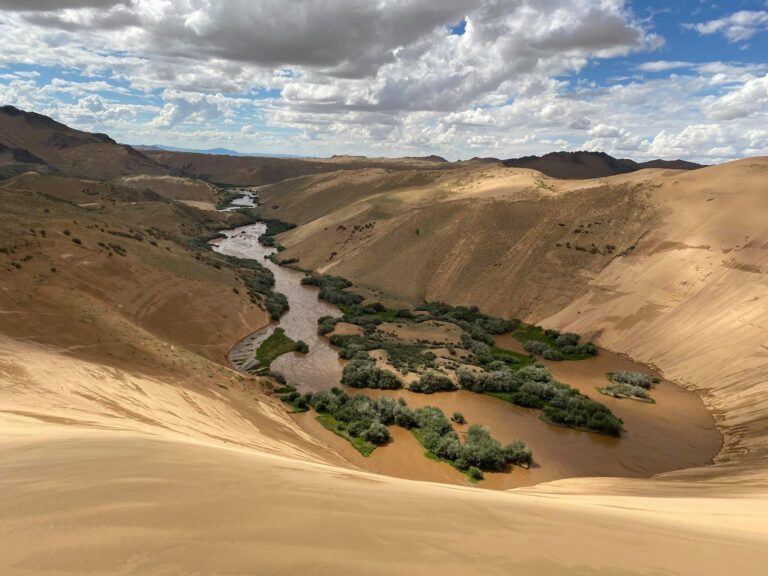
pixel 459 78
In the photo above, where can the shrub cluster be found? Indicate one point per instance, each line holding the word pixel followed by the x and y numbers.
pixel 633 378
pixel 432 381
pixel 326 324
pixel 367 418
pixel 480 450
pixel 362 416
pixel 627 390
pixel 332 289
pixel 534 387
pixel 274 227
pixel 362 372
pixel 277 305
pixel 260 283
pixel 542 349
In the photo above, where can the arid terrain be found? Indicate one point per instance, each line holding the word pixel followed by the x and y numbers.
pixel 130 446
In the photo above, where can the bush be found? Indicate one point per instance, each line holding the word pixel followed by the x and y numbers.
pixel 542 349
pixel 621 390
pixel 377 433
pixel 475 473
pixel 431 382
pixel 363 373
pixel 301 347
pixel 277 305
pixel 326 324
pixel 518 453
pixel 458 417
pixel 332 289
pixel 634 379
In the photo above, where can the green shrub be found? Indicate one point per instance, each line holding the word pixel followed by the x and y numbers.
pixel 633 378
pixel 431 382
pixel 377 433
pixel 458 417
pixel 475 473
pixel 301 347
pixel 326 324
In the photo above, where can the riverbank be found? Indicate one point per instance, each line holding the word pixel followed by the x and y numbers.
pixel 673 434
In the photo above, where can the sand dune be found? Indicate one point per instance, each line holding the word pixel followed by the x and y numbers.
pixel 157 479
pixel 140 454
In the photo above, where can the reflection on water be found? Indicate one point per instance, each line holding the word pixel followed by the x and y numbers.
pixel 321 368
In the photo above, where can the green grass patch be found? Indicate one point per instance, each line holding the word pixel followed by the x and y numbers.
pixel 277 343
pixel 339 428
pixel 517 359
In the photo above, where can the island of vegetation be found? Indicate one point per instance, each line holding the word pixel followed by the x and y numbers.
pixel 474 363
pixel 363 421
pixel 633 385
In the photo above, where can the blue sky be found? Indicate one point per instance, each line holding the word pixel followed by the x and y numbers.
pixel 399 77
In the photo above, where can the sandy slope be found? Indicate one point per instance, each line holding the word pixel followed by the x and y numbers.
pixel 178 466
pixel 692 299
pixel 159 479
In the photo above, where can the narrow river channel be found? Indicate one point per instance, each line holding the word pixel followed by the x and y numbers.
pixel 321 368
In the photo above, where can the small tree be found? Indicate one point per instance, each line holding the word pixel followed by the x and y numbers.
pixel 377 434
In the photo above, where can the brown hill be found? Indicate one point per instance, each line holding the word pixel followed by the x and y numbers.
pixel 31 140
pixel 128 448
pixel 258 171
pixel 585 165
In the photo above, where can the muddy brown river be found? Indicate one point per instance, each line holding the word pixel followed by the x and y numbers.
pixel 675 433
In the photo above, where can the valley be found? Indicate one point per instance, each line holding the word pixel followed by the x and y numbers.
pixel 127 298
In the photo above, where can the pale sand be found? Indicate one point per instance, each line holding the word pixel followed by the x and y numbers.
pixel 112 473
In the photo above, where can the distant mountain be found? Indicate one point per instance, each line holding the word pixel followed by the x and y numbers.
pixel 584 165
pixel 212 151
pixel 31 141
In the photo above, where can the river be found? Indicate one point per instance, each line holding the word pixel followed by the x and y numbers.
pixel 677 432
pixel 320 368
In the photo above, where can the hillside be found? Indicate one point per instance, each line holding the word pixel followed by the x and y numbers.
pixel 664 265
pixel 129 446
pixel 32 141
pixel 585 165
pixel 258 171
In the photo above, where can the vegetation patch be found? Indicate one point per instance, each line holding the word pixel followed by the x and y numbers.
pixel 341 429
pixel 633 385
pixel 627 391
pixel 554 345
pixel 274 227
pixel 278 343
pixel 363 422
pixel 481 367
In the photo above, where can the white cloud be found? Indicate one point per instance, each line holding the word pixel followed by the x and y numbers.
pixel 748 99
pixel 737 27
pixel 380 77
pixel 663 66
